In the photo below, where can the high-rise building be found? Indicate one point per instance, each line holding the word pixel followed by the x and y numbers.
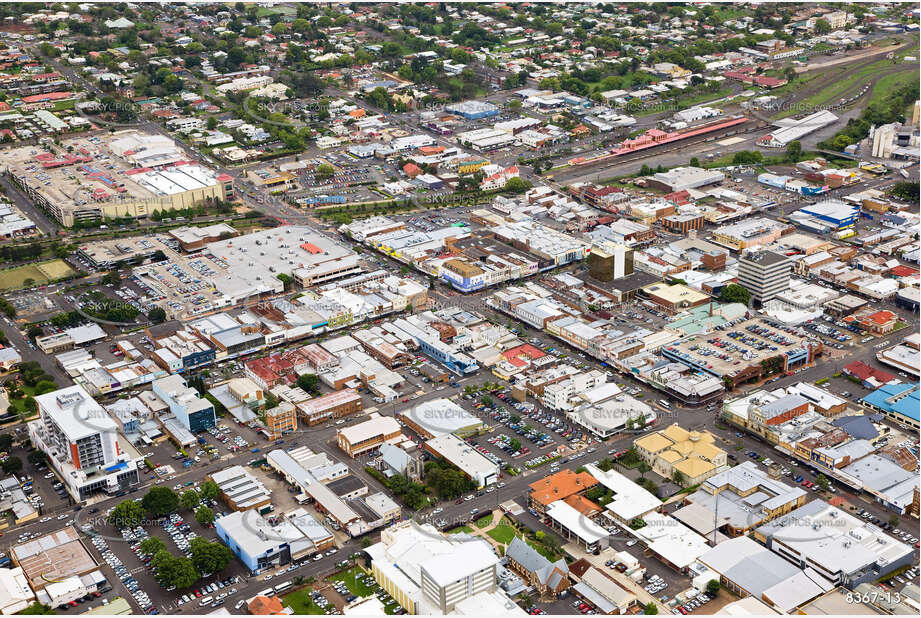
pixel 82 443
pixel 612 262
pixel 281 420
pixel 765 274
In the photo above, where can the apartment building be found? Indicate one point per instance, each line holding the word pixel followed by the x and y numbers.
pixel 366 436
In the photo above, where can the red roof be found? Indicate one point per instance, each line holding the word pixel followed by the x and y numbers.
pixel 517 355
pixel 881 317
pixel 412 170
pixel 904 271
pixel 224 178
pixel 50 96
pixel 311 248
pixel 860 369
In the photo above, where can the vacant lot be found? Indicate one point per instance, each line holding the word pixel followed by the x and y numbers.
pixel 34 274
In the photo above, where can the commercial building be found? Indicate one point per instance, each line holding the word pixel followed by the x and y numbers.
pixel 261 545
pixel 281 420
pixel 458 453
pixel 899 402
pixel 674 298
pixel 473 110
pixel 750 233
pixel 684 178
pixel 332 406
pixel 693 454
pixel 440 417
pixel 58 567
pixel 573 525
pixel 791 130
pixel 838 214
pixel 241 490
pixel 368 435
pixel 127 174
pixel 737 500
pixel 427 572
pixel 193 411
pixel 840 547
pixel 748 569
pixel 15 593
pixel 765 274
pixel 559 486
pixel 83 444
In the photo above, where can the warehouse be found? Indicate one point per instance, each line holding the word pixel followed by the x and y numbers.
pixel 458 453
pixel 835 212
pixel 473 110
pixel 485 139
pixel 790 130
pixel 684 178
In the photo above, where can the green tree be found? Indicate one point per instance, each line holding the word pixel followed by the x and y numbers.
pixel 127 514
pixel 172 571
pixel 325 170
pixel 204 515
pixel 11 465
pixel 735 293
pixel 794 151
pixel 210 557
pixel 517 185
pixel 695 162
pixel 678 478
pixel 822 26
pixel 160 501
pixel 822 481
pixel 713 586
pixel 6 442
pixel 152 545
pixel 156 315
pixel 651 609
pixel 309 382
pixel 190 500
pixel 643 468
pixel 209 490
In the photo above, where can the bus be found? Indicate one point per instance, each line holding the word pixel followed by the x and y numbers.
pixel 282 587
pixel 266 593
pixel 664 403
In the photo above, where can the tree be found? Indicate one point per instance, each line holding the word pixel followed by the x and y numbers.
pixel 678 478
pixel 11 465
pixel 172 571
pixel 209 490
pixel 822 481
pixel 212 123
pixel 713 586
pixel 650 609
pixel 210 557
pixel 735 293
pixel 309 382
pixel 325 170
pixel 152 545
pixel 190 500
pixel 156 315
pixel 822 26
pixel 514 444
pixel 204 515
pixel 894 520
pixel 517 185
pixel 6 442
pixel 127 514
pixel 643 468
pixel 160 501
pixel 794 151
pixel 695 162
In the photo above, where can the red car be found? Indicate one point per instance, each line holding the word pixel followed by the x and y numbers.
pixel 73 603
pixel 682 610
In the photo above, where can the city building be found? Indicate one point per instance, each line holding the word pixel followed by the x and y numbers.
pixel 368 435
pixel 439 417
pixel 764 274
pixel 15 593
pixel 559 486
pixel 839 546
pixel 475 466
pixel 241 491
pixel 427 572
pixel 83 444
pixel 281 420
pixel 332 406
pixel 692 454
pixel 546 577
pixel 185 403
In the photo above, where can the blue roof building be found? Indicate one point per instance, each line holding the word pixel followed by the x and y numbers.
pixel 900 402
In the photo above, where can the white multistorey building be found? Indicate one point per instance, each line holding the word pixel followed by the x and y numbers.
pixel 429 573
pixel 83 444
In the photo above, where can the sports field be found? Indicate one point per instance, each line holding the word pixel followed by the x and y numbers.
pixel 39 274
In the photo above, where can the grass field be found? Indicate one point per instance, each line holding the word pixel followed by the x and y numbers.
pixel 350 579
pixel 502 533
pixel 484 521
pixel 301 603
pixel 888 83
pixel 40 274
pixel 460 529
